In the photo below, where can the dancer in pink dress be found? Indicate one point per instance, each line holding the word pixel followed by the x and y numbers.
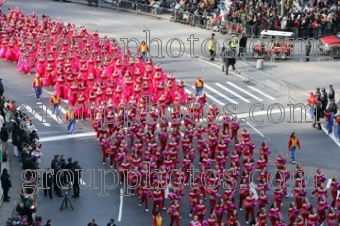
pixel 60 87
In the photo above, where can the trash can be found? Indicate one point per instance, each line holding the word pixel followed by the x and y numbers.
pixel 259 64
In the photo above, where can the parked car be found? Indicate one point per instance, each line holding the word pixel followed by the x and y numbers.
pixel 330 44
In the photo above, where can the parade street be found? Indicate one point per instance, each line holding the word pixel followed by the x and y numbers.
pixel 265 124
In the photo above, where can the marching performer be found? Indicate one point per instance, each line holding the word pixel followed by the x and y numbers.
pixel 200 210
pixel 250 203
pixel 274 213
pixel 331 217
pixel 322 207
pixel 193 200
pixel 335 187
pixel 299 193
pixel 293 213
pixel 219 211
pixel 174 212
pixel 158 197
pixel 262 217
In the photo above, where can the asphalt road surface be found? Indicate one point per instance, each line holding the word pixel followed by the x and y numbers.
pixel 318 149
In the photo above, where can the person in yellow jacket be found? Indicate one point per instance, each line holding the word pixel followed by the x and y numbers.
pixel 143 49
pixel 55 102
pixel 157 219
pixel 71 121
pixel 212 47
pixel 37 86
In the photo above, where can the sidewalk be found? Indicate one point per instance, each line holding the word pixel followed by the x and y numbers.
pixel 304 77
pixel 15 171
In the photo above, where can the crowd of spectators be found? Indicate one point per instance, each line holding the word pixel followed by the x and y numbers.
pixel 306 19
pixel 25 140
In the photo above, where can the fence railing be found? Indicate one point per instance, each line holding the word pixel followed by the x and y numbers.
pixel 279 86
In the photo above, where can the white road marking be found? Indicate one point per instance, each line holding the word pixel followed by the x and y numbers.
pixel 220 94
pixel 166 192
pixel 82 182
pixel 121 205
pixel 212 98
pixel 188 91
pixel 233 93
pixel 328 183
pixel 332 136
pixel 115 22
pixel 253 187
pixel 259 91
pixel 68 136
pixel 256 130
pixel 265 112
pixel 62 110
pixel 246 92
pixel 49 112
pixel 37 116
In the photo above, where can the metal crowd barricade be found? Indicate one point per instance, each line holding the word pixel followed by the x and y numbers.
pixel 122 5
pixel 231 27
pixel 195 20
pixel 177 16
pixel 252 31
pixel 266 80
pixel 87 2
pixel 317 53
pixel 143 8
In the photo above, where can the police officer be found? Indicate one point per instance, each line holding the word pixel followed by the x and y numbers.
pixel 76 170
pixel 54 161
pixel 212 47
pixel 317 113
pixel 63 166
pixel 224 59
pixel 233 44
pixel 69 166
pixel 317 92
pixel 243 45
pixel 228 59
pixel 47 182
pixel 332 107
pixel 331 93
pixel 308 49
pixel 324 101
pixel 57 180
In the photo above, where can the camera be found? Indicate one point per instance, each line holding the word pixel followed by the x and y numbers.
pixel 66 193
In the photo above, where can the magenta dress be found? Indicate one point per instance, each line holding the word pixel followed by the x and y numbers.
pixel 59 88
